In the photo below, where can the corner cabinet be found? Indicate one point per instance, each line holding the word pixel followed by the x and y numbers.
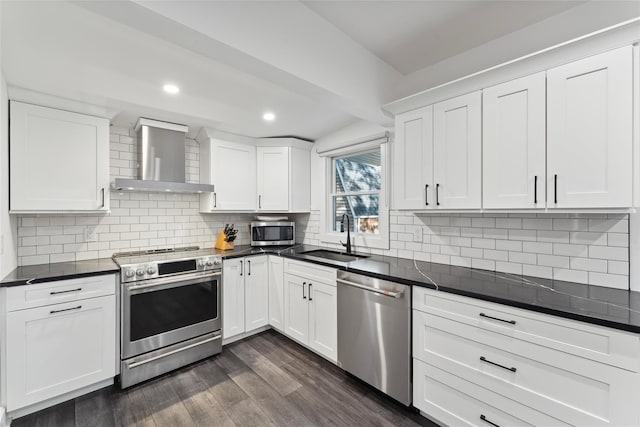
pixel 60 338
pixel 590 132
pixel 59 160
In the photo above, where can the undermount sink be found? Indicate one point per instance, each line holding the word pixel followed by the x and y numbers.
pixel 333 255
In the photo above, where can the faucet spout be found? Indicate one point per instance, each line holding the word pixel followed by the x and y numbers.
pixel 348 244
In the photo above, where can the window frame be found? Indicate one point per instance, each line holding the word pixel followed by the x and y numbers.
pixel 358 240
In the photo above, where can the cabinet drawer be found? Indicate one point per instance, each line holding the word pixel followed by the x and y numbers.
pixel 567 387
pixel 37 295
pixel 310 271
pixel 605 345
pixel 456 402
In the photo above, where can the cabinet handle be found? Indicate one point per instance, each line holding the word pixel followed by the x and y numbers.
pixel 437 195
pixel 215 200
pixel 513 322
pixel 65 292
pixel 303 294
pixel 555 189
pixel 241 268
pixel 66 309
pixel 248 267
pixel 102 206
pixel 483 418
pixel 259 201
pixel 310 285
pixel 535 189
pixel 483 359
pixel 426 194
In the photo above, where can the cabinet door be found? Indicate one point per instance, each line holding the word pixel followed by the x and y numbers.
pixel 276 292
pixel 232 297
pixel 513 118
pixel 457 152
pixel 296 308
pixel 323 319
pixel 413 160
pixel 59 160
pixel 273 178
pixel 233 172
pixel 589 134
pixel 59 348
pixel 256 292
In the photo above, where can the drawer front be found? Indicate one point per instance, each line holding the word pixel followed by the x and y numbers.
pixel 60 291
pixel 310 271
pixel 605 345
pixel 572 389
pixel 456 402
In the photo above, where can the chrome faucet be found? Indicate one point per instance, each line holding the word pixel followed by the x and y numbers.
pixel 348 244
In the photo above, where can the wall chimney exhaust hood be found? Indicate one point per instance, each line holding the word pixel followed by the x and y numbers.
pixel 161 167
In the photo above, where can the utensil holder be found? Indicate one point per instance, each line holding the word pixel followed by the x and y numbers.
pixel 222 244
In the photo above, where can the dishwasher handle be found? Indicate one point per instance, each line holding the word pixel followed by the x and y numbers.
pixel 392 294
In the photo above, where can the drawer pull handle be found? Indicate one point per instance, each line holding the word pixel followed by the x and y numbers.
pixel 65 292
pixel 513 322
pixel 483 418
pixel 66 309
pixel 483 359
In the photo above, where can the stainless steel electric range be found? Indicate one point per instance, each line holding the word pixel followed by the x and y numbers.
pixel 171 312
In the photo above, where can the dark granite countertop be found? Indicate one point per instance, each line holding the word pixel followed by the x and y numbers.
pixel 599 305
pixel 58 271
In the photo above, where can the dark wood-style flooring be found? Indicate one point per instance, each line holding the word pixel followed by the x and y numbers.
pixel 265 380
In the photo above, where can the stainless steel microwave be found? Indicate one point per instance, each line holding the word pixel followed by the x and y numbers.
pixel 273 233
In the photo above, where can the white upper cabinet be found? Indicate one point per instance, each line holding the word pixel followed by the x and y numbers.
pixel 273 178
pixel 59 160
pixel 231 167
pixel 255 175
pixel 413 159
pixel 513 153
pixel 457 152
pixel 589 133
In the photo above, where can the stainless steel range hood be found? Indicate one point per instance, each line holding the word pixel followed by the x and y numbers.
pixel 161 167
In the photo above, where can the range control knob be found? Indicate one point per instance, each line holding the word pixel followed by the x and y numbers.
pixel 151 270
pixel 140 272
pixel 209 263
pixel 217 261
pixel 129 273
pixel 201 263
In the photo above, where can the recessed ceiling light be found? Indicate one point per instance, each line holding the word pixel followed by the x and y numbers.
pixel 169 88
pixel 269 117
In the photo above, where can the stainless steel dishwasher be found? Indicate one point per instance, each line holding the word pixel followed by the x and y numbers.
pixel 374 333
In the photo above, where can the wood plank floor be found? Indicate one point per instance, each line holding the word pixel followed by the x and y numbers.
pixel 265 380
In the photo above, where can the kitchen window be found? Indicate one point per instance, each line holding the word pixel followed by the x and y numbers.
pixel 356 196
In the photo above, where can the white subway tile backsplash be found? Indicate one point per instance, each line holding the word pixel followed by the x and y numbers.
pixel 553 236
pixel 569 250
pixel 570 275
pixel 609 280
pixel 538 247
pixel 609 252
pixel 588 264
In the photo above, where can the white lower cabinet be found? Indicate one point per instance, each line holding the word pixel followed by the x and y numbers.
pixel 59 348
pixel 245 295
pixel 276 292
pixel 311 307
pixel 516 367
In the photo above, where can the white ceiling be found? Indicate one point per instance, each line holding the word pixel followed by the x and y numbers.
pixel 317 65
pixel 411 35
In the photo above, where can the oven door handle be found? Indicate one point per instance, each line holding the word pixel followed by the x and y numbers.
pixel 174 281
pixel 132 365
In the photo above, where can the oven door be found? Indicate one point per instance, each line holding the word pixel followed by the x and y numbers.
pixel 160 312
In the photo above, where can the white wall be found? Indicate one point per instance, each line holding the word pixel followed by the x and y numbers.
pixel 8 233
pixel 583 248
pixel 138 220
